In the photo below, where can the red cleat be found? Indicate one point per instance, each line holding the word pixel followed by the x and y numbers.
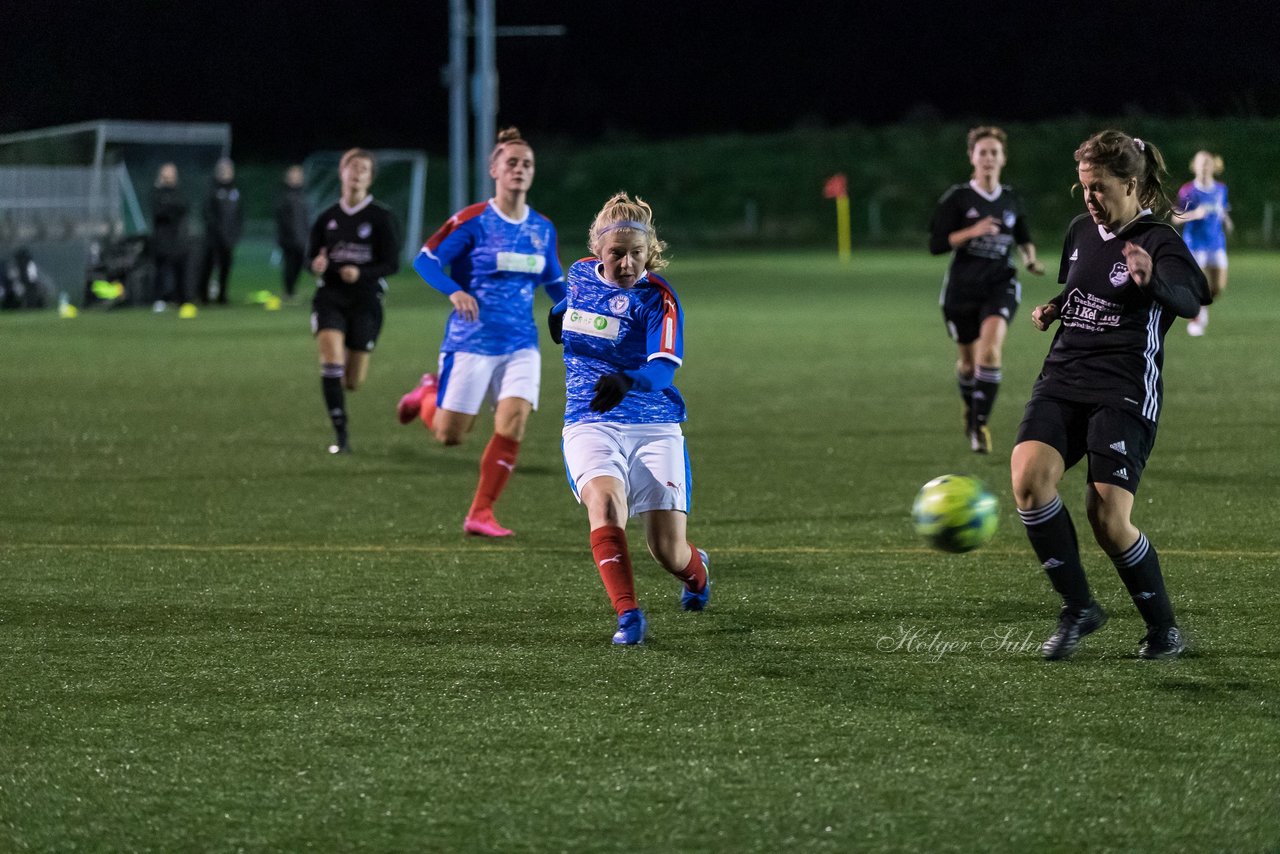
pixel 411 404
pixel 483 524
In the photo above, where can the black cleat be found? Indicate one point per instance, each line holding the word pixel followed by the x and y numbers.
pixel 1072 626
pixel 1162 643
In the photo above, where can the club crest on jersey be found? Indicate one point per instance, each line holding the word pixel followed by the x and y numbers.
pixel 619 304
pixel 1009 219
pixel 365 229
pixel 971 213
pixel 538 243
pixel 333 223
pixel 1119 274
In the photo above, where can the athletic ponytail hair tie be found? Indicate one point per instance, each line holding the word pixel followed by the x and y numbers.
pixel 1139 144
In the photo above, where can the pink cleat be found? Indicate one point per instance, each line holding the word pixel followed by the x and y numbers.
pixel 411 404
pixel 482 524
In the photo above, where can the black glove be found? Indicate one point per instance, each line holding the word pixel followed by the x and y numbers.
pixel 555 322
pixel 610 390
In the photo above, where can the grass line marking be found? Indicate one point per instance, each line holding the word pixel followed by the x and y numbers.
pixel 299 548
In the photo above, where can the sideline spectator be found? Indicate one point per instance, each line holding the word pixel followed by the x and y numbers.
pixel 293 223
pixel 223 224
pixel 169 208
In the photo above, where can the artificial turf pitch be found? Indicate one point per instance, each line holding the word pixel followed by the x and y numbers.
pixel 214 636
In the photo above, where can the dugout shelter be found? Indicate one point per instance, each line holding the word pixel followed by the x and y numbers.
pixel 68 192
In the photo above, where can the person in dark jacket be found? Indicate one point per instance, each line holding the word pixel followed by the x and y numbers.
pixel 293 224
pixel 223 224
pixel 169 209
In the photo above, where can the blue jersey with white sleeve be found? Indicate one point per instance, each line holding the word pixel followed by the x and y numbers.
pixel 608 329
pixel 1205 234
pixel 500 262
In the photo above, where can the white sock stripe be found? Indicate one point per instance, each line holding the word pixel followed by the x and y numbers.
pixel 1133 555
pixel 1040 515
pixel 332 371
pixel 988 375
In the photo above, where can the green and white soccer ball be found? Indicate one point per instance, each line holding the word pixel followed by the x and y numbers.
pixel 955 513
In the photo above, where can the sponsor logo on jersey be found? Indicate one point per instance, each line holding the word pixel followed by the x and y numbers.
pixel 1119 274
pixel 593 325
pixel 971 213
pixel 365 229
pixel 619 304
pixel 519 262
pixel 1122 473
pixel 1119 446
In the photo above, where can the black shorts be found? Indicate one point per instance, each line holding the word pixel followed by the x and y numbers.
pixel 1117 441
pixel 356 313
pixel 964 310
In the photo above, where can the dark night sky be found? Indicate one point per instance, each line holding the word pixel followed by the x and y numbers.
pixel 292 78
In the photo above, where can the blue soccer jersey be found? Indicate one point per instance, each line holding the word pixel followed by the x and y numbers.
pixel 1204 235
pixel 608 329
pixel 500 262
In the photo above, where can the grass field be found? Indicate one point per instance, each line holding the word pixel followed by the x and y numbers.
pixel 214 636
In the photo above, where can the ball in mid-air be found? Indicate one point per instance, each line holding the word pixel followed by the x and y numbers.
pixel 955 513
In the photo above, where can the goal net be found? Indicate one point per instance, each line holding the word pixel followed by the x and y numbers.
pixel 68 192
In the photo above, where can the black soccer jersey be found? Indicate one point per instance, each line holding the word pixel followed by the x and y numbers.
pixel 983 261
pixel 367 236
pixel 1109 347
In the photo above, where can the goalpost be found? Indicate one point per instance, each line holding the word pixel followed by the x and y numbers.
pixel 67 190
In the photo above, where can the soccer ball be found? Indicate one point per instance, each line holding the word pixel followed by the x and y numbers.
pixel 955 513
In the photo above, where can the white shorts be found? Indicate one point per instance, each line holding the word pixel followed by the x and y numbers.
pixel 467 380
pixel 651 460
pixel 1216 258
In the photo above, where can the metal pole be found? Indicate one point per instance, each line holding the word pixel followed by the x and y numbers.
pixel 486 97
pixel 456 72
pixel 417 191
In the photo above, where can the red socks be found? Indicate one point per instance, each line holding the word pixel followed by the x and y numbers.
pixel 609 548
pixel 496 466
pixel 427 410
pixel 694 575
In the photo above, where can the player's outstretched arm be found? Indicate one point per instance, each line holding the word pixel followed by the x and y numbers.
pixel 1029 259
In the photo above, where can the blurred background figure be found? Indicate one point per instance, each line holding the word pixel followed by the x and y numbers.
pixel 293 222
pixel 980 223
pixel 223 225
pixel 1202 212
pixel 352 247
pixel 169 210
